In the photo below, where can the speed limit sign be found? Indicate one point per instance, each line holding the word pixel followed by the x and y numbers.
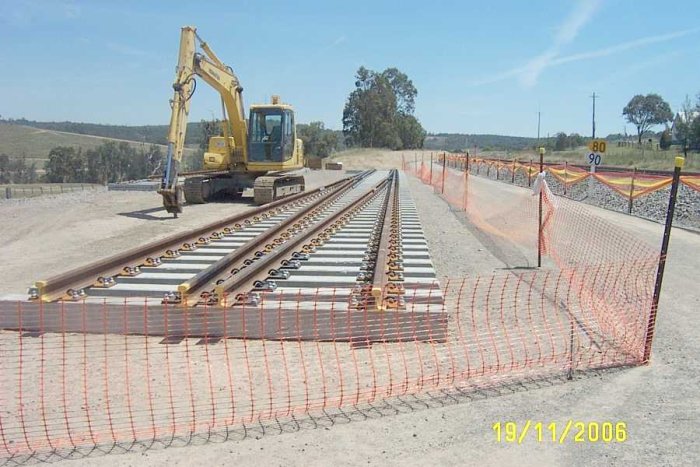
pixel 594 158
pixel 598 145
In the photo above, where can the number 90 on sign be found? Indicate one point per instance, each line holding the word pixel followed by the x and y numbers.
pixel 594 159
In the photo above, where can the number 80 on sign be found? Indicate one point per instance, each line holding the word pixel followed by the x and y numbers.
pixel 598 145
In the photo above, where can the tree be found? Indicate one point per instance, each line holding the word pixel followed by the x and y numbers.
pixel 647 111
pixel 576 140
pixel 375 113
pixel 318 141
pixel 685 124
pixel 561 141
pixel 65 165
pixel 665 140
pixel 5 174
pixel 403 88
pixel 411 132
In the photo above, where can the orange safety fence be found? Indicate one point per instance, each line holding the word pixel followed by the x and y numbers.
pixel 574 239
pixel 76 376
pixel 629 184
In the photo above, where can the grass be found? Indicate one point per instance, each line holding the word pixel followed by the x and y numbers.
pixel 17 141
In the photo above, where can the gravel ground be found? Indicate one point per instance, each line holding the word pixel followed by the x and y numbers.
pixel 659 403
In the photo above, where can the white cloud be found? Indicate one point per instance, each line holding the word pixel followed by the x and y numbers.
pixel 566 33
pixel 624 47
pixel 529 73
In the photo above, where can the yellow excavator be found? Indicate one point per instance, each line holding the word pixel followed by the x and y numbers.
pixel 260 153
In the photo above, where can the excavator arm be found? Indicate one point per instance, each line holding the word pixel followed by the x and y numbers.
pixel 214 72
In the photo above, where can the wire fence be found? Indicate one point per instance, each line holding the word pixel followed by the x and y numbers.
pixel 80 375
pixel 33 190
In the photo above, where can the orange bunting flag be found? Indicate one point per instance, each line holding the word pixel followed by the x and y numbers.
pixel 568 175
pixel 631 186
pixel 691 181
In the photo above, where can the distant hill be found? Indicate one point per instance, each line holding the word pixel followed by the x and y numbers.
pixel 154 134
pixel 459 142
pixel 35 143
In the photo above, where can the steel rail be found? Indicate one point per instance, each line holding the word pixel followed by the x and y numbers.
pixel 58 286
pixel 258 246
pixel 244 279
pixel 388 264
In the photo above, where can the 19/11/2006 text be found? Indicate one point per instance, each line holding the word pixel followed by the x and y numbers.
pixel 574 431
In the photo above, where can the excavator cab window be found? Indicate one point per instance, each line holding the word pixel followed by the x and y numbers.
pixel 270 138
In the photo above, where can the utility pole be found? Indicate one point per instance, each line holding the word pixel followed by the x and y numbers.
pixel 591 177
pixel 593 96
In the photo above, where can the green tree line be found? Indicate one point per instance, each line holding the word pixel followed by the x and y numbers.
pixel 318 140
pixel 109 162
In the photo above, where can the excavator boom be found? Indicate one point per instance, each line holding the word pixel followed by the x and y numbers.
pixel 228 156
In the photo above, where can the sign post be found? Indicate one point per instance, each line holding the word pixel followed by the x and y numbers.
pixel 596 148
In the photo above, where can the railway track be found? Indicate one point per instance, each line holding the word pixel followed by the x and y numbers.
pixel 355 245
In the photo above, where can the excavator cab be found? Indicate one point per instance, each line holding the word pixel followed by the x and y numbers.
pixel 271 135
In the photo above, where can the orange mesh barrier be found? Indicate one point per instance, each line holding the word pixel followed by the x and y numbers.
pixel 76 375
pixel 576 240
pixel 691 181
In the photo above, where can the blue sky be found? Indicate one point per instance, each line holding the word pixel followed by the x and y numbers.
pixel 479 66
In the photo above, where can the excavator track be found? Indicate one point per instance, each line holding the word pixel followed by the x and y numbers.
pixel 269 188
pixel 196 190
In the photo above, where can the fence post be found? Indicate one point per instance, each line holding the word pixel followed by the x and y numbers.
pixel 512 178
pixel 539 223
pixel 8 192
pixel 431 169
pixel 634 175
pixel 466 162
pixel 466 186
pixel 529 174
pixel 566 175
pixel 662 259
pixel 444 167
